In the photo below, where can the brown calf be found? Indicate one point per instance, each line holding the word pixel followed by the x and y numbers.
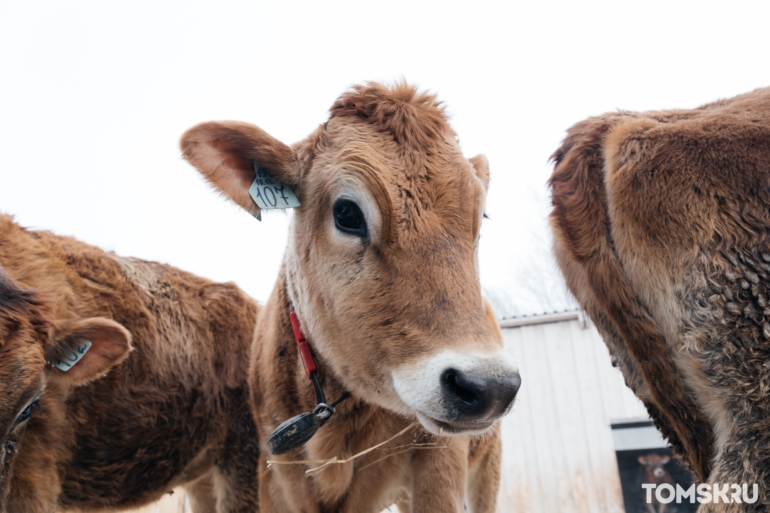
pixel 174 411
pixel 661 230
pixel 381 269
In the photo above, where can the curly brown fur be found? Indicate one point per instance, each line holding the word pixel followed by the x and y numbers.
pixel 661 223
pixel 175 409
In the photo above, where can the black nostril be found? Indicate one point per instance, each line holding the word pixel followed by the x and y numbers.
pixel 481 396
pixel 465 392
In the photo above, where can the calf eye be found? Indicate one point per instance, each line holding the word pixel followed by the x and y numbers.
pixel 27 413
pixel 349 218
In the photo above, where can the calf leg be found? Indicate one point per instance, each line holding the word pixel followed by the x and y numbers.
pixel 201 494
pixel 271 496
pixel 726 361
pixel 484 473
pixel 236 493
pixel 235 474
pixel 439 477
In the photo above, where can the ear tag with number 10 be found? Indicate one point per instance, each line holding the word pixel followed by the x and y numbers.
pixel 268 193
pixel 73 356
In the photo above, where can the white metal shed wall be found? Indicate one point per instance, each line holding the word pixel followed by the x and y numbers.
pixel 558 454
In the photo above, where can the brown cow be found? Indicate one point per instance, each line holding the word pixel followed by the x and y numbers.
pixel 381 270
pixel 661 230
pixel 175 411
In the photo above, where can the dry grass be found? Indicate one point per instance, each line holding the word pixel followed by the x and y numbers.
pixel 176 504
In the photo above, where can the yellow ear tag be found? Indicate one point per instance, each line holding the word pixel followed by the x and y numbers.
pixel 270 194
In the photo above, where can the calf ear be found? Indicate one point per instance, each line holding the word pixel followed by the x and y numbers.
pixel 481 166
pixel 74 362
pixel 225 153
pixel 492 320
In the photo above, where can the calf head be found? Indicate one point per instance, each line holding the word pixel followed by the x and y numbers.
pixel 382 259
pixel 32 344
pixel 652 464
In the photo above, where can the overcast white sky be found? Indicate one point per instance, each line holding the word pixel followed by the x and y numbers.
pixel 94 96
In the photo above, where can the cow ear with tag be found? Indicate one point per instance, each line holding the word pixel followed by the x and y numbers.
pixel 85 349
pixel 244 163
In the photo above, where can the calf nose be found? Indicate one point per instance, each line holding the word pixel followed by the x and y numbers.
pixel 479 397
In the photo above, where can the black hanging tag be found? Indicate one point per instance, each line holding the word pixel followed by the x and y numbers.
pixel 293 433
pixel 297 430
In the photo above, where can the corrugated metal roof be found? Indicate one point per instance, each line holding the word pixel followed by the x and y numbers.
pixel 527 320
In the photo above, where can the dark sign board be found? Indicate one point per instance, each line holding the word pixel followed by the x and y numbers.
pixel 644 459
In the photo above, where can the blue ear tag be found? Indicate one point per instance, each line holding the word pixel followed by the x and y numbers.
pixel 72 357
pixel 268 193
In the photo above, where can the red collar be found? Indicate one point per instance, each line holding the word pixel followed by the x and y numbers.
pixel 299 429
pixel 304 347
pixel 311 368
